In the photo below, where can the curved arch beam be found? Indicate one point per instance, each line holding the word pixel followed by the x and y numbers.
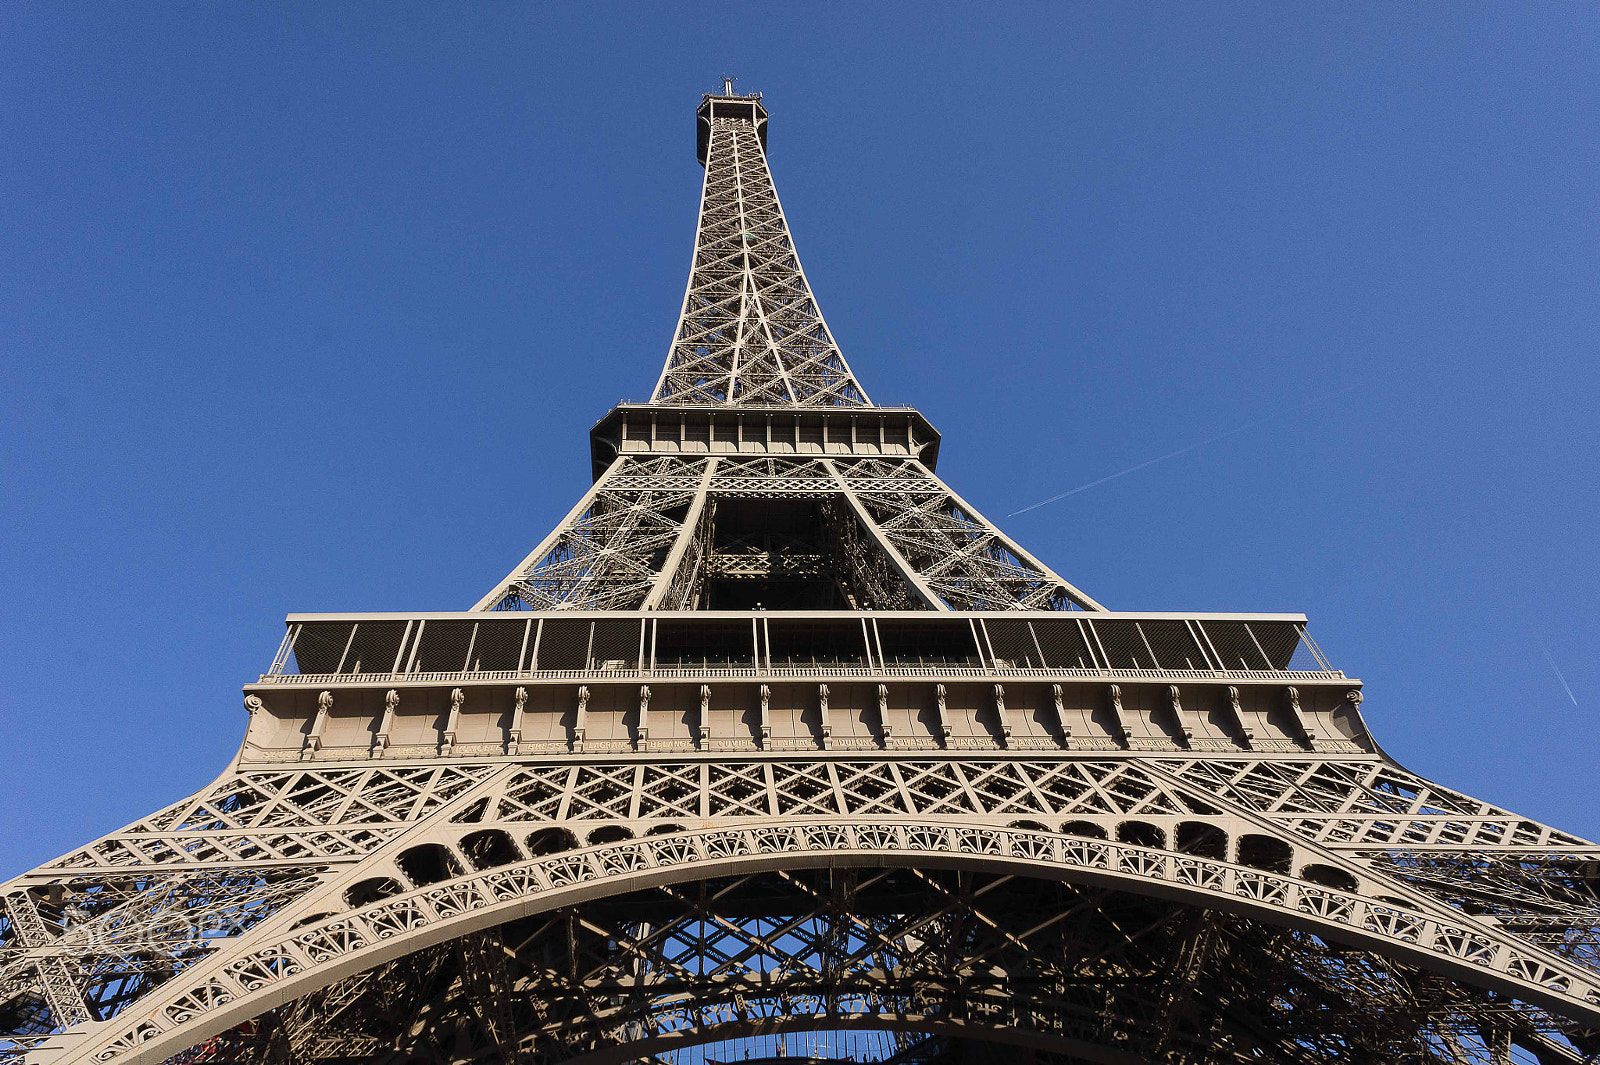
pixel 238 985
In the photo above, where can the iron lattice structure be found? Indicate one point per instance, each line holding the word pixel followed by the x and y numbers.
pixel 775 734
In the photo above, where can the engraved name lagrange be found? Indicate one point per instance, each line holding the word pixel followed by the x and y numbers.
pixel 774 733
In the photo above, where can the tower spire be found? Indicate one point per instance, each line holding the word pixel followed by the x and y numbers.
pixel 750 333
pixel 760 473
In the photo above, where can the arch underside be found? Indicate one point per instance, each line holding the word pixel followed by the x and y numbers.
pixel 1476 945
pixel 945 958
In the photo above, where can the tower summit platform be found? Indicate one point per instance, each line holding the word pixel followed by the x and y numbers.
pixel 729 105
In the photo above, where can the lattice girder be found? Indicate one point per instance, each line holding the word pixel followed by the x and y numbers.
pixel 750 333
pixel 638 539
pixel 1033 817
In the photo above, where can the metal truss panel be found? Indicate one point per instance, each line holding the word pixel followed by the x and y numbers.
pixel 750 333
pixel 640 539
pixel 790 956
pixel 1218 835
pixel 962 559
pixel 608 552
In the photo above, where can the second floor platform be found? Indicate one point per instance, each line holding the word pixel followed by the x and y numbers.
pixel 463 647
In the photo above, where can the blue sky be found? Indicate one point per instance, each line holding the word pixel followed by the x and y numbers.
pixel 311 307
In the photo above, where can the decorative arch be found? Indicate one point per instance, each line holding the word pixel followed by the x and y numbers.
pixel 553 840
pixel 238 985
pixel 428 863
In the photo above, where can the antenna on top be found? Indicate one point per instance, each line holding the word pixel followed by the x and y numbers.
pixel 727 84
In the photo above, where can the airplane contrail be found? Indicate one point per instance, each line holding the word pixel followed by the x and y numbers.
pixel 1548 657
pixel 1147 463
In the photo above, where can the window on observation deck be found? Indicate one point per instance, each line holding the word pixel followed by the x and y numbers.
pixel 797 642
pixel 704 643
pixel 733 109
pixel 932 643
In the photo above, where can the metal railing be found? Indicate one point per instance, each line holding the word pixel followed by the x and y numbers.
pixel 788 672
pixel 599 645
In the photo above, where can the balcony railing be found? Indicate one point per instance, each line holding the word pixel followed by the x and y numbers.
pixel 568 645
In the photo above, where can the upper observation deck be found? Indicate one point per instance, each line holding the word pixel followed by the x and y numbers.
pixel 714 429
pixel 729 105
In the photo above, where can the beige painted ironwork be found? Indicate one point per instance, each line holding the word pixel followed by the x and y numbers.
pixel 776 733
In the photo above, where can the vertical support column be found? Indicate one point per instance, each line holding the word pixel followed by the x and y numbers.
pixel 522 655
pixel 400 652
pixel 987 646
pixel 452 723
pixel 416 647
pixel 580 721
pixel 1236 709
pixel 1061 715
pixel 827 725
pixel 985 658
pixel 60 989
pixel 514 733
pixel 770 779
pixel 380 742
pixel 313 740
pixel 704 723
pixel 533 657
pixel 636 792
pixel 1175 703
pixel 1312 734
pixel 914 580
pixel 1114 696
pixel 644 718
pixel 680 546
pixel 766 717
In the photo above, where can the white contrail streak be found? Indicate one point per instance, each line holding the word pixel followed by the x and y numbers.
pixel 1548 657
pixel 1181 451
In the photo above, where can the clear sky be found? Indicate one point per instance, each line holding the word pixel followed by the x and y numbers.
pixel 310 308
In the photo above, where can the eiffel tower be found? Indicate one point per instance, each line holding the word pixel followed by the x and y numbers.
pixel 776 736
